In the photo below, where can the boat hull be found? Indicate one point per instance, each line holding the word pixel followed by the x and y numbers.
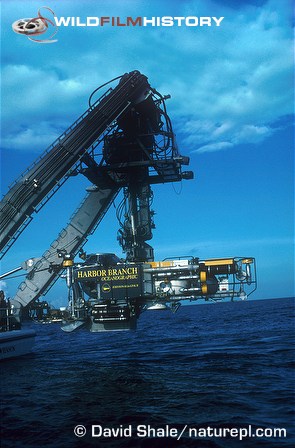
pixel 158 307
pixel 16 343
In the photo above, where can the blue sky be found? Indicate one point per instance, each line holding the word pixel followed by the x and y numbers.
pixel 231 108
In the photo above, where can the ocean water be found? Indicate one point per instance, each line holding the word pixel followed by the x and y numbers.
pixel 225 365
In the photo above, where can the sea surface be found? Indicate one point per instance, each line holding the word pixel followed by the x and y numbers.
pixel 224 365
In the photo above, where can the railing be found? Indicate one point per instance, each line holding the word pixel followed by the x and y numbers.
pixel 7 320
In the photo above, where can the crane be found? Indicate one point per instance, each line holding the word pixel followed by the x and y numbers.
pixel 131 124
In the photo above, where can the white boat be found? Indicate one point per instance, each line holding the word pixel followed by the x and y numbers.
pixel 16 343
pixel 13 340
pixel 158 306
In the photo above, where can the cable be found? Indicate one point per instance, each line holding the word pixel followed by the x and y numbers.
pixel 100 87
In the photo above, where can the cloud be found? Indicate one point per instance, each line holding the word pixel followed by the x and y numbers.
pixel 38 105
pixel 228 84
pixel 215 147
pixel 234 132
pixel 31 90
pixel 36 137
pixel 252 134
pixel 242 83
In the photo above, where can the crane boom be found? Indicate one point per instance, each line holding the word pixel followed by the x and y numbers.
pixel 55 165
pixel 44 271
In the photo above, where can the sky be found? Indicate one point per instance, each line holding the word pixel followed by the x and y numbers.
pixel 231 108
